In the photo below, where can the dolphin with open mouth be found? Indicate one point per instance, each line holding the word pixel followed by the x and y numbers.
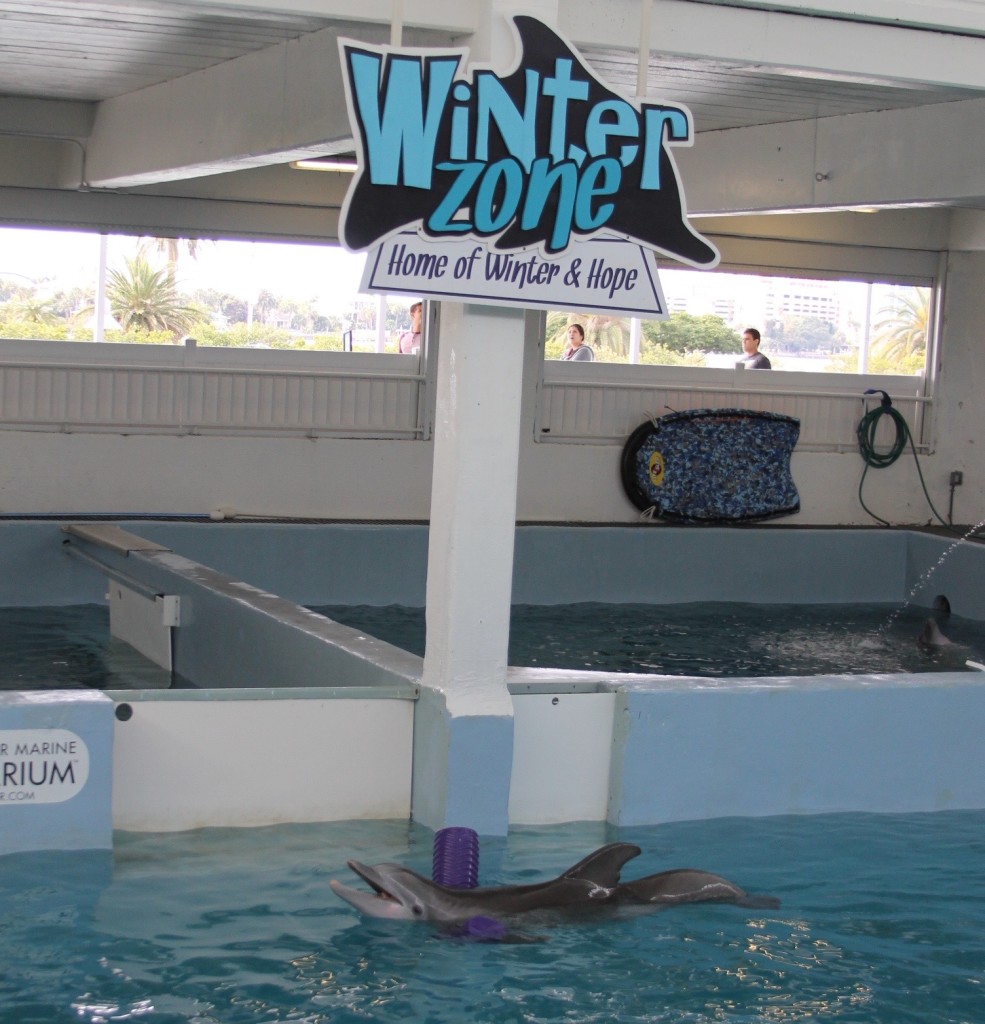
pixel 592 887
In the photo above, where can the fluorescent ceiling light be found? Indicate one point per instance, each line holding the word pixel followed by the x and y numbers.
pixel 345 165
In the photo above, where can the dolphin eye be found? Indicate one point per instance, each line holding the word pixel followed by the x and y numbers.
pixel 418 910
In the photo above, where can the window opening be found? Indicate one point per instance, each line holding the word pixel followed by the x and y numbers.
pixel 823 324
pixel 161 291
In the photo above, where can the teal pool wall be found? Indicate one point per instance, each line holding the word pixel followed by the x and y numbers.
pixel 674 748
pixel 379 564
pixel 807 746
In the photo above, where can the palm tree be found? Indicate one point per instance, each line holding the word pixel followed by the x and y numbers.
pixel 146 299
pixel 266 303
pixel 33 310
pixel 902 331
pixel 601 330
pixel 171 248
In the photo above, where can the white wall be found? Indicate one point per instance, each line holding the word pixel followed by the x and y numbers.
pixel 332 478
pixel 562 753
pixel 183 764
pixel 961 411
pixel 109 473
pixel 54 472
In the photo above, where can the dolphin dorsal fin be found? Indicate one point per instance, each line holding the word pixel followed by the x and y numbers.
pixel 603 866
pixel 931 635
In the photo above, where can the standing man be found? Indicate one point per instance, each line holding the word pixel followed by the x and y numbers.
pixel 752 358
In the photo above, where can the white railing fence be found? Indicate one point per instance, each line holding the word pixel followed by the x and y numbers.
pixel 139 389
pixel 605 404
pixel 84 387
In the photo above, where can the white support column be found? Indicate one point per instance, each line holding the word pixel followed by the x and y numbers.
pixel 473 506
pixel 99 328
pixel 635 332
pixel 463 728
pixel 464 738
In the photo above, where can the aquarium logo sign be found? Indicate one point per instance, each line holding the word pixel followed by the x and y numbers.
pixel 41 766
pixel 536 162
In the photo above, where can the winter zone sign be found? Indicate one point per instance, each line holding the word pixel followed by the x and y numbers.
pixel 542 187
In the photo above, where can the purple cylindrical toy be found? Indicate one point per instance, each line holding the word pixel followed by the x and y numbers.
pixel 455 861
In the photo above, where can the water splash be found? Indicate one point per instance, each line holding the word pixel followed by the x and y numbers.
pixel 927 576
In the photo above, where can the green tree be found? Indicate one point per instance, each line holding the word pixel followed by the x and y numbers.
pixel 608 335
pixel 901 335
pixel 32 309
pixel 8 290
pixel 68 303
pixel 33 331
pixel 810 333
pixel 146 299
pixel 657 355
pixel 684 332
pixel 171 248
pixel 241 336
pixel 265 304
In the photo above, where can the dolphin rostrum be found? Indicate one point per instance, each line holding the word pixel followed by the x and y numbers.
pixel 591 887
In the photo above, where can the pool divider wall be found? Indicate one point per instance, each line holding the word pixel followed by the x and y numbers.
pixel 303 719
pixel 269 741
pixel 562 752
pixel 56 771
pixel 189 759
pixel 693 749
pixel 233 634
pixel 461 772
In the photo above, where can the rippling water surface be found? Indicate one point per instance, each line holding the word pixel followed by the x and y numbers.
pixel 69 648
pixel 881 922
pixel 707 638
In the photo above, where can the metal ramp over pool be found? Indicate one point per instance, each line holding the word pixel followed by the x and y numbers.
pixel 138 615
pixel 113 537
pixel 219 632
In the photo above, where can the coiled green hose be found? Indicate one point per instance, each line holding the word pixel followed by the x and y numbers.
pixel 866 432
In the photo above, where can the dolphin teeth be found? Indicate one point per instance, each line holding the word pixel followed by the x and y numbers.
pixel 365 874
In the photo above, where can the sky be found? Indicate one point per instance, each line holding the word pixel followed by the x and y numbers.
pixel 326 274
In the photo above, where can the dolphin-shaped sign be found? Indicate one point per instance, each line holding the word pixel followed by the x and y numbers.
pixel 535 159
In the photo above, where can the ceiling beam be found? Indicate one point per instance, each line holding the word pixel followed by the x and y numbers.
pixel 852 51
pixel 62 119
pixel 272 106
pixel 919 156
pixel 459 17
pixel 949 15
pixel 162 215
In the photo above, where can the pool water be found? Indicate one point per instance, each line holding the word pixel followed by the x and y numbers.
pixel 705 639
pixel 881 922
pixel 70 648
